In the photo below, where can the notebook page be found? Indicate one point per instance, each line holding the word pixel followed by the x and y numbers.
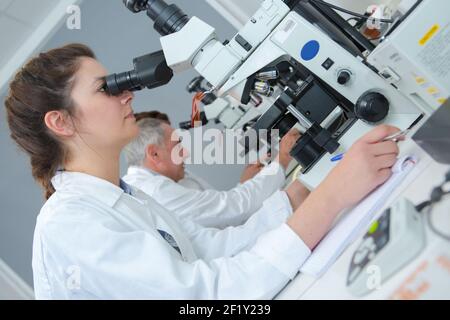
pixel 352 223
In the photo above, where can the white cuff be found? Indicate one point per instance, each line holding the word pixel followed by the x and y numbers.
pixel 275 169
pixel 279 204
pixel 283 249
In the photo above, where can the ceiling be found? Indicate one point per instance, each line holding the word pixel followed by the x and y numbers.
pixel 24 26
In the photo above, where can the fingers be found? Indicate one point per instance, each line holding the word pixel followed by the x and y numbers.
pixel 379 133
pixel 293 131
pixel 292 134
pixel 387 147
pixel 383 176
pixel 385 161
pixel 255 165
pixel 289 139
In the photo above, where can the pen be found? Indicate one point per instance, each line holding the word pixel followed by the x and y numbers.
pixel 337 158
pixel 395 137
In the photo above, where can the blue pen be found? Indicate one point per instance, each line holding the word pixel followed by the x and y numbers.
pixel 337 158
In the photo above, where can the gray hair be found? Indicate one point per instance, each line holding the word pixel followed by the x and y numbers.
pixel 150 132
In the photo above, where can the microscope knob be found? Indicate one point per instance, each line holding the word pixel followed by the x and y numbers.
pixel 344 77
pixel 372 107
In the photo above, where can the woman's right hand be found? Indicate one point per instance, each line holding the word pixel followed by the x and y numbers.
pixel 365 166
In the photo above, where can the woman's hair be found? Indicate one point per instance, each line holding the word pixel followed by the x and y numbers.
pixel 44 84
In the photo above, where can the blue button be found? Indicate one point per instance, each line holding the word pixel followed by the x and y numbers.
pixel 310 50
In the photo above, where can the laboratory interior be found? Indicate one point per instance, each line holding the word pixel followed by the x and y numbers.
pixel 225 149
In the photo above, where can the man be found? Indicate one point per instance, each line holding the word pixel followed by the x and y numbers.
pixel 191 180
pixel 152 169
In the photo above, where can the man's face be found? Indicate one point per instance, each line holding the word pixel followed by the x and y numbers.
pixel 171 155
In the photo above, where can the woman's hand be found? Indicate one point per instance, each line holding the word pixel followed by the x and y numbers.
pixel 364 167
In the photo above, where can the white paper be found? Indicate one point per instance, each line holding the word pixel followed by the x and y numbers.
pixel 352 223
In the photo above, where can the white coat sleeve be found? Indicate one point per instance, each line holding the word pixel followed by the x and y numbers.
pixel 210 243
pixel 219 209
pixel 118 264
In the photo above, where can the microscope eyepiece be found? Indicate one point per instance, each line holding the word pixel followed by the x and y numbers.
pixel 168 18
pixel 149 71
pixel 136 6
pixel 117 83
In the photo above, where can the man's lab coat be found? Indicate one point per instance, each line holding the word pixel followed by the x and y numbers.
pixel 209 208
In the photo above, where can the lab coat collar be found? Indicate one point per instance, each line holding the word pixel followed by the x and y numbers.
pixel 84 184
pixel 136 170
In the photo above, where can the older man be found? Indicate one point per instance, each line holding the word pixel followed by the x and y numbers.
pixel 153 170
pixel 190 180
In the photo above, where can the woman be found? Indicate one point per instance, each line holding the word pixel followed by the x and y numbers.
pixel 97 237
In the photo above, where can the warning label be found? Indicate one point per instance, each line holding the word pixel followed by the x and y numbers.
pixel 435 56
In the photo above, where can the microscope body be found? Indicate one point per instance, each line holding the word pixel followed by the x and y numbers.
pixel 322 82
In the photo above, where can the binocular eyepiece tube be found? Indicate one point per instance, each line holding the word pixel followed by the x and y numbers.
pixel 168 18
pixel 150 71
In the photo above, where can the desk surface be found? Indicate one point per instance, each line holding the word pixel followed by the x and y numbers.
pixel 416 187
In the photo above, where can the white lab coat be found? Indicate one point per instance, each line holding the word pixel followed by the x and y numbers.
pixel 209 208
pixel 193 181
pixel 94 241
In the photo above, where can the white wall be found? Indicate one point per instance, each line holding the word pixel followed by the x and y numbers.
pixel 25 26
pixel 12 287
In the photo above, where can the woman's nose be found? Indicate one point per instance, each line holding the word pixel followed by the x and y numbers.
pixel 126 97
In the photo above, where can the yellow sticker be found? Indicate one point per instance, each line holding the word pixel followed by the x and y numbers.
pixel 432 90
pixel 429 34
pixel 442 100
pixel 420 80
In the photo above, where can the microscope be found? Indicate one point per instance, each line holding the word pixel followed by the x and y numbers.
pixel 296 63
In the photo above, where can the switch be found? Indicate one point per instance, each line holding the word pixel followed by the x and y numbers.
pixel 328 64
pixel 344 77
pixel 244 44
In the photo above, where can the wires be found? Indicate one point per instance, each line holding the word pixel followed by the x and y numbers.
pixel 354 14
pixel 196 116
pixel 436 196
pixel 431 224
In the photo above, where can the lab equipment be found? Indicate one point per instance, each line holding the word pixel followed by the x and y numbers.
pixel 297 62
pixel 150 71
pixel 434 135
pixel 392 241
pixel 414 56
pixel 438 194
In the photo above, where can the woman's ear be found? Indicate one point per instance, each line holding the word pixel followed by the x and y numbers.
pixel 59 123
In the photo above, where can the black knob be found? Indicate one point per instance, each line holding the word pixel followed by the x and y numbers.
pixel 372 107
pixel 344 77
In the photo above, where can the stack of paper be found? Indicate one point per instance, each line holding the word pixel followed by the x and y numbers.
pixel 354 222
